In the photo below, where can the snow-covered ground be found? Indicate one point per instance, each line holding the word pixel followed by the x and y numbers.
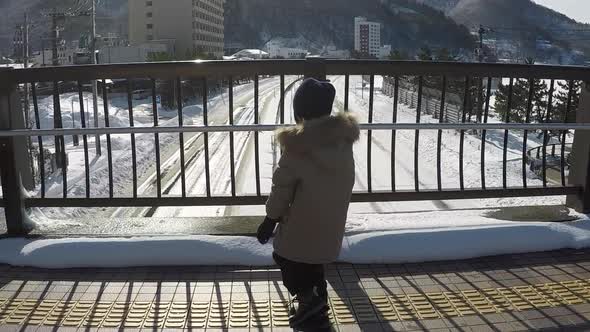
pixel 427 242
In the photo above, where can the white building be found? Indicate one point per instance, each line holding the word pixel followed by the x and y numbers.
pixel 65 56
pixel 248 54
pixel 136 53
pixel 384 51
pixel 194 25
pixel 276 51
pixel 367 37
pixel 336 54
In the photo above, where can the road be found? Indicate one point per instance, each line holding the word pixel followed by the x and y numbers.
pixel 220 182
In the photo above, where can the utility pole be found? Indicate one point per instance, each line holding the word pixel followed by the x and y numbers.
pixel 55 16
pixel 26 64
pixel 94 85
pixel 481 32
pixel 57 119
pixel 479 114
pixel 43 50
pixel 26 91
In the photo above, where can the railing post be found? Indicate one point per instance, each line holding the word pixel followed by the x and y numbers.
pixel 579 174
pixel 315 67
pixel 13 192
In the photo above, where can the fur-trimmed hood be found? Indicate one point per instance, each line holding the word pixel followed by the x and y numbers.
pixel 323 132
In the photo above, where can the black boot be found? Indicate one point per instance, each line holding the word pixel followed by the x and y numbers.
pixel 317 323
pixel 322 295
pixel 310 304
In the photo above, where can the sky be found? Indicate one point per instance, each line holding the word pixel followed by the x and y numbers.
pixel 579 10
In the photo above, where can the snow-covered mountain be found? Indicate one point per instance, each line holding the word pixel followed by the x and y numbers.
pixel 522 22
pixel 406 24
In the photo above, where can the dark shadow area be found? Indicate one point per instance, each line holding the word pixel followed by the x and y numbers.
pixel 554 213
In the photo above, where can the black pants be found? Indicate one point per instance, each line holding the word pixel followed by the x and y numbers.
pixel 300 277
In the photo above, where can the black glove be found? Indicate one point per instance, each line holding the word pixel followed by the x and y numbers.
pixel 266 229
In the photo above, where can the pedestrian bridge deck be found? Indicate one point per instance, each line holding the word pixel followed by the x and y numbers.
pixel 548 290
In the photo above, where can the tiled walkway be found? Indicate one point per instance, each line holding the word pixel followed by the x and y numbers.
pixel 505 293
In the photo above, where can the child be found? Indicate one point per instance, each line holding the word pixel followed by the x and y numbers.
pixel 311 191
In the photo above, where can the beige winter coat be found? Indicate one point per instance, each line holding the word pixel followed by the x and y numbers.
pixel 312 187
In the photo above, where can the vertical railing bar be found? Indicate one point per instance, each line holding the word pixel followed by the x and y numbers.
pixel 156 140
pixel 231 134
pixel 181 136
pixel 256 138
pixel 370 133
pixel 346 91
pixel 394 133
pixel 439 140
pixel 466 98
pixel 507 120
pixel 417 135
pixel 60 140
pixel 545 132
pixel 529 109
pixel 206 136
pixel 282 105
pixel 84 139
pixel 39 139
pixel 131 124
pixel 109 147
pixel 484 133
pixel 564 133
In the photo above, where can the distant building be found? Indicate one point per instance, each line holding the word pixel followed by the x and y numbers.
pixel 65 55
pixel 543 44
pixel 276 51
pixel 367 37
pixel 384 51
pixel 248 54
pixel 136 53
pixel 331 52
pixel 194 25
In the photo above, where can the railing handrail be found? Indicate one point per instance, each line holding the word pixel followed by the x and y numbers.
pixel 272 127
pixel 218 68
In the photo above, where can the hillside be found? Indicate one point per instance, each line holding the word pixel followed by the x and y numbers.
pixel 314 24
pixel 523 22
pixel 252 23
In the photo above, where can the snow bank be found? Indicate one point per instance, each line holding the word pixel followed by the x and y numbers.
pixel 168 251
pixel 393 246
pixel 452 244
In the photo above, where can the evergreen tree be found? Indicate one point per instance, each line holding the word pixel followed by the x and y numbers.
pixel 444 54
pixel 561 101
pixel 559 113
pixel 520 100
pixel 425 54
pixel 398 55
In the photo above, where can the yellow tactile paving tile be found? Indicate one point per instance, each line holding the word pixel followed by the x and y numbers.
pixel 97 314
pixel 384 309
pixel 275 313
pixel 280 313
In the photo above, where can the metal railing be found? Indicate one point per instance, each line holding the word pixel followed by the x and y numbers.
pixel 14 129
